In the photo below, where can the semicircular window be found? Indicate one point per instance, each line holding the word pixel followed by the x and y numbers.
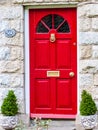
pixel 53 21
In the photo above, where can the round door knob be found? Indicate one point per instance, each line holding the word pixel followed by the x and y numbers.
pixel 71 74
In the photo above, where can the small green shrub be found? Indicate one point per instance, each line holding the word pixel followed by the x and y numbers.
pixel 9 106
pixel 87 104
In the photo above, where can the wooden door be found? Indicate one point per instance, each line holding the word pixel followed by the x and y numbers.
pixel 53 61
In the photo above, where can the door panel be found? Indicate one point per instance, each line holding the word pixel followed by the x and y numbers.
pixel 42 54
pixel 42 93
pixel 53 50
pixel 63 94
pixel 63 54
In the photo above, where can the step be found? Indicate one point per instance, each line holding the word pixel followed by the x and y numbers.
pixel 60 125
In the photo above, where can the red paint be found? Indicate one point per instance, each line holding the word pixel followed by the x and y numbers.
pixel 54 116
pixel 53 95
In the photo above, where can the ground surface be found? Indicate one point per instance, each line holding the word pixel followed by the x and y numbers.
pixel 61 125
pixel 58 125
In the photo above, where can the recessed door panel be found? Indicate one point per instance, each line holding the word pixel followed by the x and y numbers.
pixel 42 54
pixel 63 54
pixel 63 94
pixel 42 93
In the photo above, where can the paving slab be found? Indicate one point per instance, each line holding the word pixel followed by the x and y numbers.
pixel 56 125
pixel 60 125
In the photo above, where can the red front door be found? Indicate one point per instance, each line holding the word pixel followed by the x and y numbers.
pixel 53 61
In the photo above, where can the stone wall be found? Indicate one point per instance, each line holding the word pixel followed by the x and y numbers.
pixel 11 52
pixel 12 49
pixel 88 47
pixel 88 51
pixel 45 1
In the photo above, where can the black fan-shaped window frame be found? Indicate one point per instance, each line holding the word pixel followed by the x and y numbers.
pixel 53 21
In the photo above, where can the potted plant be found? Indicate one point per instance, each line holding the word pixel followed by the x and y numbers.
pixel 9 109
pixel 88 111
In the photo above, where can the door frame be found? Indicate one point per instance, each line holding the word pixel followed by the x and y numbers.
pixel 27 58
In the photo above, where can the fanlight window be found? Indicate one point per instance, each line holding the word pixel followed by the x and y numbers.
pixel 53 21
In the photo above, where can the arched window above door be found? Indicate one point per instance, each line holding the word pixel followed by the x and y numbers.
pixel 53 21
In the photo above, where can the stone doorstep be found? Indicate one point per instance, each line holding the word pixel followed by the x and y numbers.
pixel 56 128
pixel 51 128
pixel 57 125
pixel 60 125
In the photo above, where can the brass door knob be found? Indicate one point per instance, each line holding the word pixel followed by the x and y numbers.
pixel 71 74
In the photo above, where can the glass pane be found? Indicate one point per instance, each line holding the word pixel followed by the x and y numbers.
pixel 48 20
pixel 53 21
pixel 64 28
pixel 57 20
pixel 41 28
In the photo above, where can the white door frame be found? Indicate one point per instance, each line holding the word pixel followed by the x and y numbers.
pixel 27 62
